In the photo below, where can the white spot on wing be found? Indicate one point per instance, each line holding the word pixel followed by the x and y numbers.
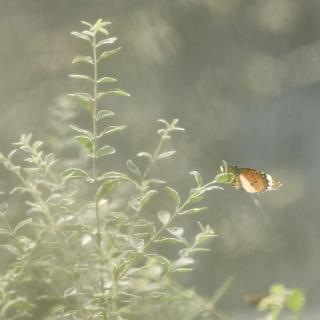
pixel 245 183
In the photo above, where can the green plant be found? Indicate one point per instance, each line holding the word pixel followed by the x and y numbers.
pixel 90 243
pixel 281 298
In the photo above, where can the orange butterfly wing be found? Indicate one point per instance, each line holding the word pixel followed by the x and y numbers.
pixel 253 181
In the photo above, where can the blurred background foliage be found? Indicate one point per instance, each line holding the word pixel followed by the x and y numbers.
pixel 243 78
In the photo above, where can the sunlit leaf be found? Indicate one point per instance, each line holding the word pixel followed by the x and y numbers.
pixel 83 131
pixel 70 292
pixel 115 92
pixel 174 195
pixel 107 80
pixel 166 154
pixel 197 177
pixel 109 53
pixel 110 129
pixel 133 168
pixel 107 41
pixel 104 113
pixel 74 173
pixel 80 35
pixel 224 178
pixel 105 151
pixel 106 188
pixel 144 154
pixel 295 300
pixel 193 210
pixel 164 216
pixel 22 224
pixel 85 142
pixel 147 197
pixel 176 231
pixel 80 77
pixel 83 59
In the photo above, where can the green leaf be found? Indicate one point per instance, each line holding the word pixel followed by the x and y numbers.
pixel 166 154
pixel 70 292
pixel 164 216
pixel 110 129
pixel 86 143
pixel 105 151
pixel 170 240
pixel 145 154
pixel 80 77
pixel 114 176
pixel 115 92
pixel 107 80
pixel 193 210
pixel 109 53
pixel 83 59
pixel 176 231
pixel 22 224
pixel 80 35
pixel 10 248
pixel 224 178
pixel 147 197
pixel 85 98
pixel 107 41
pixel 197 177
pixel 87 24
pixel 74 173
pixel 174 195
pixel 104 113
pixel 181 270
pixel 133 168
pixel 106 188
pixel 83 131
pixel 295 300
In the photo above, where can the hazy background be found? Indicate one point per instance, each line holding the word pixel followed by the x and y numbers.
pixel 244 79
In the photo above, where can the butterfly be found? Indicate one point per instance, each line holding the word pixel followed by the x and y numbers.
pixel 250 180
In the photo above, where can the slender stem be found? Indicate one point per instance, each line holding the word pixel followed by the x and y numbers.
pixel 152 160
pixel 95 142
pixel 95 149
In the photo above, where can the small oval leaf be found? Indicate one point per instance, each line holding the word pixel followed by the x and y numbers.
pixel 174 195
pixel 164 216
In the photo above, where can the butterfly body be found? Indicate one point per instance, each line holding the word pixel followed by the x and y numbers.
pixel 250 180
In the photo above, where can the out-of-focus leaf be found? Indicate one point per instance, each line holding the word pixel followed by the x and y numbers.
pixel 83 131
pixel 147 197
pixel 295 300
pixel 107 80
pixel 75 173
pixel 193 210
pixel 164 216
pixel 133 168
pixel 70 292
pixel 80 35
pixel 86 143
pixel 22 224
pixel 176 231
pixel 105 151
pixel 83 59
pixel 80 77
pixel 106 188
pixel 111 129
pixel 109 53
pixel 174 195
pixel 115 92
pixel 10 249
pixel 224 178
pixel 106 41
pixel 197 177
pixel 166 154
pixel 104 113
